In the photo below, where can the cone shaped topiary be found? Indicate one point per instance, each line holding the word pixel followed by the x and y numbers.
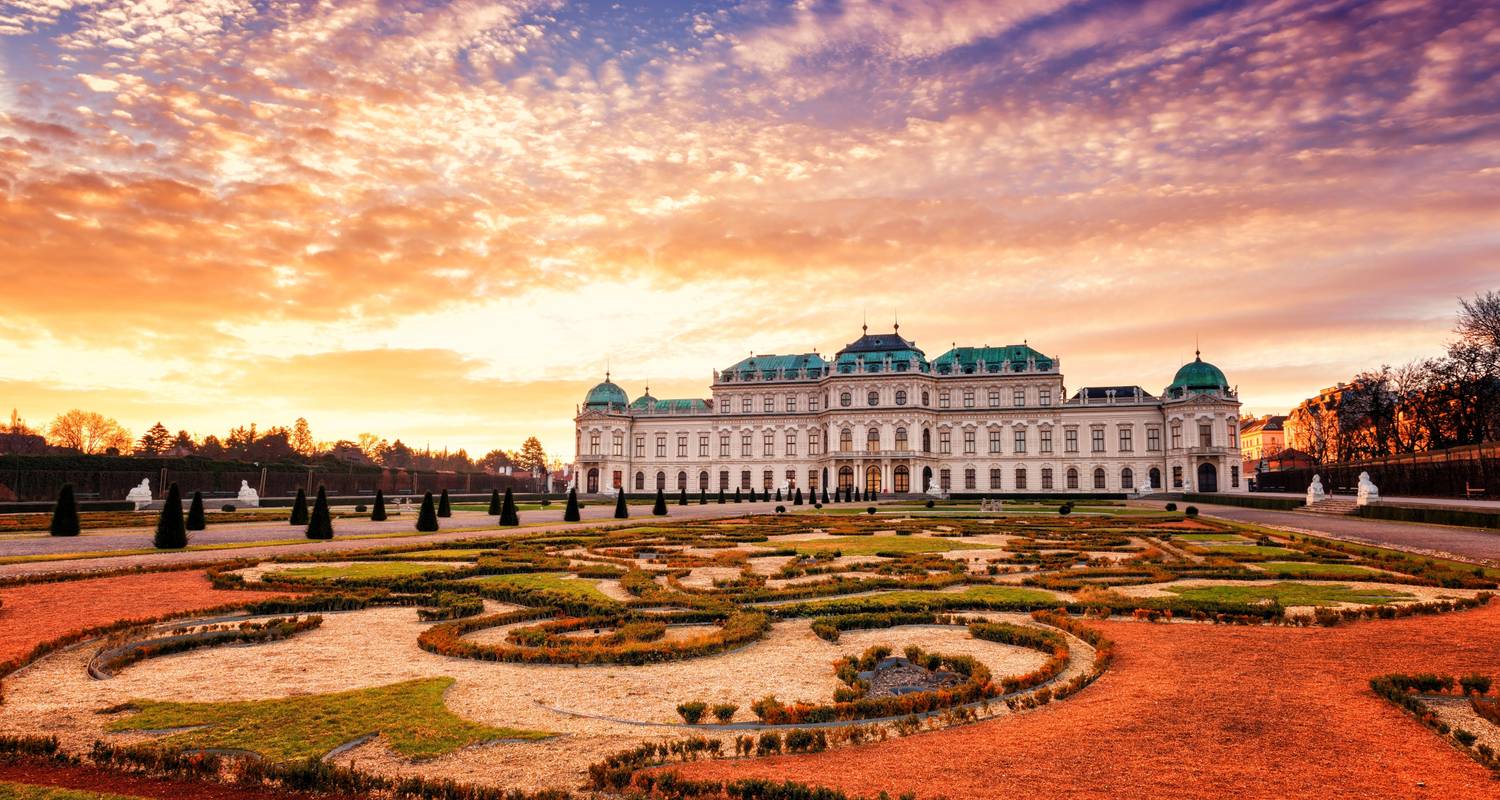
pixel 494 503
pixel 65 513
pixel 721 495
pixel 825 495
pixel 377 514
pixel 736 494
pixel 427 520
pixel 299 509
pixel 170 532
pixel 752 494
pixel 508 514
pixel 660 509
pixel 702 497
pixel 195 519
pixel 321 524
pixel 445 509
pixel 622 510
pixel 682 496
pixel 571 514
pixel 797 498
pixel 778 494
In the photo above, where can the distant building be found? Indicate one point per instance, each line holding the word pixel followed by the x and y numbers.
pixel 1260 437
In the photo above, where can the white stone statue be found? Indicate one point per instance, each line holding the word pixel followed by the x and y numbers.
pixel 935 489
pixel 248 497
pixel 785 489
pixel 1315 491
pixel 1368 492
pixel 1146 487
pixel 140 495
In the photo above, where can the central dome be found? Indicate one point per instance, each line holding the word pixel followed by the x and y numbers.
pixel 606 395
pixel 1199 377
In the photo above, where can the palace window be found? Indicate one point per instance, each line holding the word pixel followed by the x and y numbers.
pixel 1046 478
pixel 791 480
pixel 723 479
pixel 681 481
pixel 1234 433
pixel 969 479
pixel 766 478
pixel 901 439
pixel 968 398
pixel 661 480
pixel 945 441
pixel 745 404
pixel 1096 440
pixel 618 445
pixel 1020 441
pixel 1153 440
pixel 994 440
pixel 1045 398
pixel 944 400
pixel 1234 476
pixel 770 404
pixel 744 479
pixel 1176 436
pixel 746 449
pixel 661 447
pixel 640 481
pixel 995 480
pixel 594 444
pixel 1205 434
pixel 1127 439
pixel 724 406
pixel 703 445
pixel 994 398
pixel 814 439
pixel 1070 440
pixel 1177 477
pixel 1099 482
pixel 846 440
pixel 1127 478
pixel 925 400
pixel 900 397
pixel 1046 440
pixel 640 447
pixel 812 481
pixel 1018 397
pixel 1020 477
pixel 682 446
pixel 969 441
pixel 723 445
pixel 769 440
pixel 846 399
pixel 873 398
pixel 945 478
pixel 872 440
pixel 703 481
pixel 1071 476
pixel 791 402
pixel 812 402
pixel 791 443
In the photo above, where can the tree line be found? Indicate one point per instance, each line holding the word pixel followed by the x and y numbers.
pixel 1427 404
pixel 92 433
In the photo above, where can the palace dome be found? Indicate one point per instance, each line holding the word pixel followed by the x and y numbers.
pixel 607 396
pixel 1198 377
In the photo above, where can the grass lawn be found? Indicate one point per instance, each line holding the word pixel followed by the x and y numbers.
pixel 870 545
pixel 1208 537
pixel 369 569
pixel 550 582
pixel 26 791
pixel 976 594
pixel 1291 594
pixel 1293 569
pixel 1249 550
pixel 410 716
pixel 454 554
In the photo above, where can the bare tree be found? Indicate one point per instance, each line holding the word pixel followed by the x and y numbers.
pixel 1479 320
pixel 88 432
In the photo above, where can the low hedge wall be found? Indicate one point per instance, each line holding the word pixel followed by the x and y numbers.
pixel 1246 500
pixel 447 639
pixel 1432 516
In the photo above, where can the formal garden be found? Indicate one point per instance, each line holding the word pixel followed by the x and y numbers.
pixel 678 657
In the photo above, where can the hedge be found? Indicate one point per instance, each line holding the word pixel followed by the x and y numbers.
pixel 1431 516
pixel 447 639
pixel 1245 500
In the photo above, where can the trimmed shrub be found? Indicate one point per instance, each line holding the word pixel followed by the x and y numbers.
pixel 361 508
pixel 682 496
pixel 778 494
pixel 797 500
pixel 781 509
pixel 65 513
pixel 508 514
pixel 1191 511
pixel 571 513
pixel 427 519
pixel 1475 683
pixel 724 712
pixel 1171 506
pixel 195 519
pixel 171 534
pixel 321 524
pixel 228 508
pixel 377 514
pixel 931 504
pixel 622 509
pixel 870 510
pixel 660 508
pixel 721 495
pixel 1065 509
pixel 494 509
pixel 825 495
pixel 445 508
pixel 299 509
pixel 692 712
pixel 702 497
pixel 736 494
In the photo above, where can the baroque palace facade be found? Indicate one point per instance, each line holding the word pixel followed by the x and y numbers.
pixel 881 416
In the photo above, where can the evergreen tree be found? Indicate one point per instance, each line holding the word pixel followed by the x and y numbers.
pixel 572 514
pixel 195 518
pixel 427 520
pixel 378 513
pixel 797 498
pixel 702 497
pixel 508 514
pixel 622 510
pixel 65 513
pixel 682 496
pixel 778 494
pixel 825 495
pixel 170 533
pixel 445 509
pixel 721 495
pixel 321 524
pixel 752 494
pixel 660 509
pixel 495 502
pixel 736 494
pixel 299 509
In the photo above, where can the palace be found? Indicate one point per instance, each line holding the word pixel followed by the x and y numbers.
pixel 881 416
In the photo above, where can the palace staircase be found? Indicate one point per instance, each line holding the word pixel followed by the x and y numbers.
pixel 1336 506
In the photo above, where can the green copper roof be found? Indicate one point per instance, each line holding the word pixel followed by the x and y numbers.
pixel 881 352
pixel 1197 376
pixel 648 404
pixel 772 367
pixel 606 395
pixel 972 360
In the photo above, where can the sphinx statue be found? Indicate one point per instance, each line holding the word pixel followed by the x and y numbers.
pixel 1368 491
pixel 140 495
pixel 1315 491
pixel 1146 487
pixel 248 497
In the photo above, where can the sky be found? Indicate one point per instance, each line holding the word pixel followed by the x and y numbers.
pixel 443 221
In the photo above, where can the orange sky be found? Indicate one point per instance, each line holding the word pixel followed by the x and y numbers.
pixel 436 221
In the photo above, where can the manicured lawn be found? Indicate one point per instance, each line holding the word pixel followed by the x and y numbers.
pixel 870 545
pixel 1294 569
pixel 409 716
pixel 371 569
pixel 455 554
pixel 975 594
pixel 1249 550
pixel 1290 594
pixel 550 582
pixel 1208 537
pixel 24 791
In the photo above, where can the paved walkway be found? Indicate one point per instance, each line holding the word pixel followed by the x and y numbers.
pixel 1465 544
pixel 127 539
pixel 1393 500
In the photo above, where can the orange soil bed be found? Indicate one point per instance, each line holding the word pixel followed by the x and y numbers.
pixel 32 614
pixel 93 779
pixel 1191 711
pixel 1183 525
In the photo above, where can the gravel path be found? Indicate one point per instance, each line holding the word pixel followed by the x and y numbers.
pixel 1468 544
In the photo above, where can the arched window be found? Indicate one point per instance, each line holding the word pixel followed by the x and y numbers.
pixel 1020 477
pixel 1046 478
pixel 1072 478
pixel 1099 480
pixel 1155 476
pixel 872 440
pixel 846 399
pixel 900 441
pixel 661 480
pixel 1127 479
pixel 846 478
pixel 593 480
pixel 640 481
pixel 901 477
pixel 945 479
pixel 872 478
pixel 900 397
pixel 873 398
pixel 926 441
pixel 846 440
pixel 703 480
pixel 924 397
pixel 682 481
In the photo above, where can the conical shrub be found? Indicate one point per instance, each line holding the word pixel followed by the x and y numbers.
pixel 494 503
pixel 660 509
pixel 622 510
pixel 427 520
pixel 797 498
pixel 778 494
pixel 736 494
pixel 721 495
pixel 195 519
pixel 752 494
pixel 445 509
pixel 682 496
pixel 572 514
pixel 825 495
pixel 702 497
pixel 299 509
pixel 377 514
pixel 321 524
pixel 171 534
pixel 508 514
pixel 65 513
